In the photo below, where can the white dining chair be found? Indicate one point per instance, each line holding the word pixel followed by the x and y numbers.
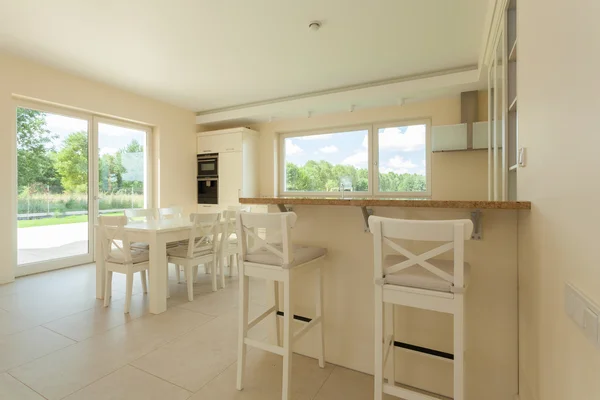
pixel 140 215
pixel 278 261
pixel 418 281
pixel 120 257
pixel 174 212
pixel 229 244
pixel 201 248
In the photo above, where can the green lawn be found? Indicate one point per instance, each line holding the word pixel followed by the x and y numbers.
pixel 72 219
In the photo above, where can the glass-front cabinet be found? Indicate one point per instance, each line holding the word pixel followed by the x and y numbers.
pixel 503 150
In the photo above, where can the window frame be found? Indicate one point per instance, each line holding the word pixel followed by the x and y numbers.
pixel 372 161
pixel 375 147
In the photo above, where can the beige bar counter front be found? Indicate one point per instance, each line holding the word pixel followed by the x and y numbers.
pixel 491 303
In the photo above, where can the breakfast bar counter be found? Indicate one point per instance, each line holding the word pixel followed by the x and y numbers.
pixel 424 357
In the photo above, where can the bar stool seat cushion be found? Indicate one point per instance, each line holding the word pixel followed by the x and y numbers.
pixel 302 254
pixel 418 277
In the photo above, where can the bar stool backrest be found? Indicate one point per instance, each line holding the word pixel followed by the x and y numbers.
pixel 452 232
pixel 276 225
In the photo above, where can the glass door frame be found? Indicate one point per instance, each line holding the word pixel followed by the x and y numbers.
pixel 64 262
pixel 93 122
pixel 148 165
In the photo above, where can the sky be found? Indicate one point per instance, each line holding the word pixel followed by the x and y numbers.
pixel 110 137
pixel 402 149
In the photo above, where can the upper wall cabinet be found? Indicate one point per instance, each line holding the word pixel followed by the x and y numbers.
pixel 221 141
pixel 449 137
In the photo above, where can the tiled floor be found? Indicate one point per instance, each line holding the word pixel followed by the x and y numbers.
pixel 58 342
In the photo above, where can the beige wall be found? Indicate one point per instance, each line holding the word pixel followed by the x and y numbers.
pixel 455 176
pixel 558 89
pixel 173 127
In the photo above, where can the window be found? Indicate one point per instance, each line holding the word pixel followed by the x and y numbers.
pixel 382 159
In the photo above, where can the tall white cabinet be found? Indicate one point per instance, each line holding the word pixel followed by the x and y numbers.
pixel 237 165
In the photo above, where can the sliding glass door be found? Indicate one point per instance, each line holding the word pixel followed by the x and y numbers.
pixel 53 189
pixel 123 168
pixel 72 167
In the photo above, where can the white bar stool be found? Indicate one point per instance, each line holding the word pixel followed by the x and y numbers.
pixel 278 261
pixel 421 282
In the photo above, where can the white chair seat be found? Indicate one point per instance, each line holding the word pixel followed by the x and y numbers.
pixel 182 251
pixel 137 256
pixel 418 277
pixel 301 254
pixel 140 246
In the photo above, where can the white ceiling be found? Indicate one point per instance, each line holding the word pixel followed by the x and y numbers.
pixel 212 54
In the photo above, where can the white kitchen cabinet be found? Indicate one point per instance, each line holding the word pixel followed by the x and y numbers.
pixel 210 142
pixel 230 177
pixel 449 137
pixel 237 164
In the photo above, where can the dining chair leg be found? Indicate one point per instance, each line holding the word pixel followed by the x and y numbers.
pixel 213 271
pixel 320 313
pixel 459 348
pixel 378 375
pixel 167 282
pixel 230 262
pixel 189 271
pixel 129 290
pixel 144 282
pixel 288 316
pixel 107 287
pixel 195 274
pixel 222 272
pixel 242 327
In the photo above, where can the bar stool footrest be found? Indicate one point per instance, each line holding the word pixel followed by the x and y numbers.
pixel 409 393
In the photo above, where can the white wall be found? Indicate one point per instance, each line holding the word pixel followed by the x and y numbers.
pixel 559 102
pixel 174 138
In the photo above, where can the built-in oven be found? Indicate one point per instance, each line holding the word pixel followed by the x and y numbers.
pixel 208 179
pixel 208 190
pixel 208 165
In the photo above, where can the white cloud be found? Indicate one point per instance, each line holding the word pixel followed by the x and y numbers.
pixel 329 149
pixel 108 150
pixel 316 137
pixel 398 165
pixel 291 148
pixel 413 139
pixel 357 160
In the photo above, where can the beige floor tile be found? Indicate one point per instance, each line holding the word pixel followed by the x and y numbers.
pixel 129 383
pixel 346 384
pixel 22 347
pixel 263 379
pixel 66 371
pixel 97 320
pixel 10 389
pixel 13 323
pixel 194 359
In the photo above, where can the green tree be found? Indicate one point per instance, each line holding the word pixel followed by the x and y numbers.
pixel 72 163
pixel 35 150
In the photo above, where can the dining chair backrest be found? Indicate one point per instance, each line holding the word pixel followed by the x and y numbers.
pixel 174 212
pixel 115 243
pixel 277 228
pixel 239 208
pixel 140 214
pixel 453 232
pixel 204 233
pixel 228 224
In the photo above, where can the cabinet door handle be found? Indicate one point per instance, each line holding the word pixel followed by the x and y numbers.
pixel 206 151
pixel 231 148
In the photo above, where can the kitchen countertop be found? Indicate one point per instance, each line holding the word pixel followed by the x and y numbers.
pixel 389 202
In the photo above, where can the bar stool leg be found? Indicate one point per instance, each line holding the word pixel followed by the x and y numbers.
pixel 242 327
pixel 320 313
pixel 390 367
pixel 107 286
pixel 178 273
pixel 459 348
pixel 378 343
pixel 286 392
pixel 276 317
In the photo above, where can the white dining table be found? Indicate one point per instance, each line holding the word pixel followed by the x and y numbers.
pixel 157 234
